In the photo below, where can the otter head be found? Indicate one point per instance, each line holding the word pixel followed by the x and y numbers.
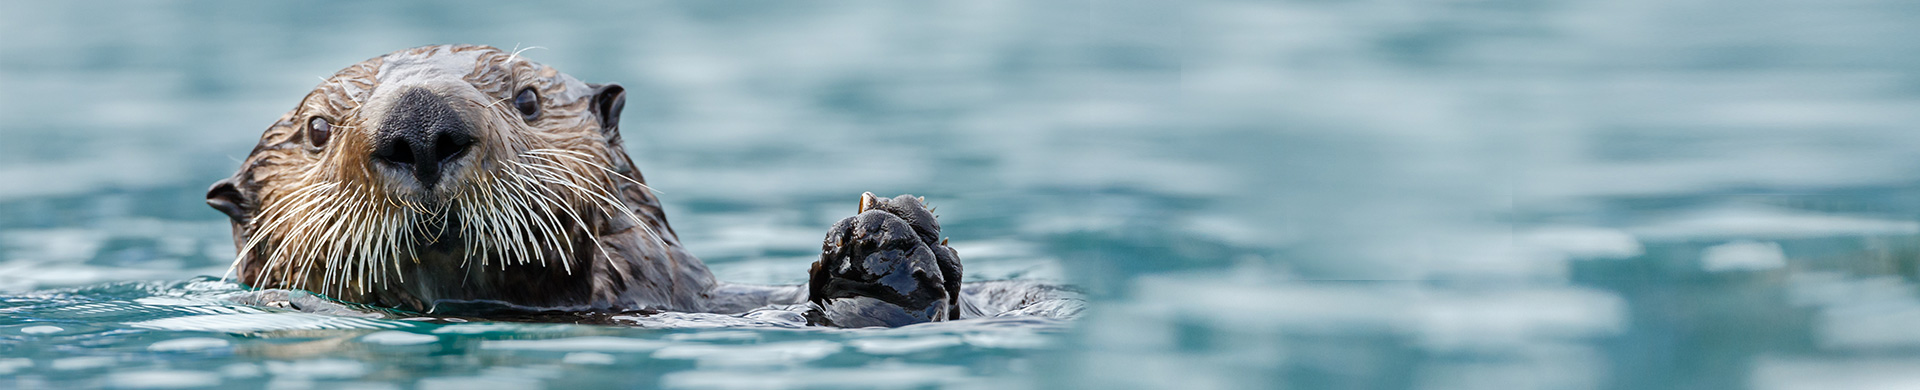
pixel 454 174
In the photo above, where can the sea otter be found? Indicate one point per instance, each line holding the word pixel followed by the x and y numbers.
pixel 441 179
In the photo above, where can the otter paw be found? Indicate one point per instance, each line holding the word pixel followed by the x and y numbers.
pixel 886 266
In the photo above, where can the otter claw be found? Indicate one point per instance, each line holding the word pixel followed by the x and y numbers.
pixel 867 201
pixel 886 266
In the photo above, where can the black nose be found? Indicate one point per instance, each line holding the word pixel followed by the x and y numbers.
pixel 422 134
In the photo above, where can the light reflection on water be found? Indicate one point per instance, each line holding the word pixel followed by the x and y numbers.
pixel 1360 194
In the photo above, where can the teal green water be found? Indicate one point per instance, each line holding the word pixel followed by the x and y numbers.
pixel 1295 194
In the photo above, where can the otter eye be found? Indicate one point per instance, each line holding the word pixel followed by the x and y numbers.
pixel 318 130
pixel 528 103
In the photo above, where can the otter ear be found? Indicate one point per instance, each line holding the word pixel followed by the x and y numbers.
pixel 226 197
pixel 608 100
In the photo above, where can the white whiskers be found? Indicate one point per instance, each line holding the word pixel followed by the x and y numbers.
pixel 357 237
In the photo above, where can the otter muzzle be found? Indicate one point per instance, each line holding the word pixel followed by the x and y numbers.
pixel 422 134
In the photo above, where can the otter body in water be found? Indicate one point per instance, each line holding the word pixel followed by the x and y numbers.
pixel 442 178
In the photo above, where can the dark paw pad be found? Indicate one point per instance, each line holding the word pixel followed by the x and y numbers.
pixel 886 267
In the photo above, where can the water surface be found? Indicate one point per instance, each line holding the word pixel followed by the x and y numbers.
pixel 1300 194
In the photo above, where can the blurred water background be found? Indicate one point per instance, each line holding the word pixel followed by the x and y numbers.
pixel 1314 194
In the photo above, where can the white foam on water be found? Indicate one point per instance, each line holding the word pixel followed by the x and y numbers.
pixel 394 337
pixel 588 358
pixel 1581 242
pixel 780 353
pixel 41 329
pixel 879 376
pixel 9 365
pixel 1759 223
pixel 188 344
pixel 1011 339
pixel 590 343
pixel 720 335
pixel 502 327
pixel 256 322
pixel 162 379
pixel 902 346
pixel 317 369
pixel 1743 255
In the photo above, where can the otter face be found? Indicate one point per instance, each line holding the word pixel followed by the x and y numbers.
pixel 401 179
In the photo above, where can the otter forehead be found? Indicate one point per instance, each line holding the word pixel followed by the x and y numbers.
pixel 436 63
pixel 485 68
